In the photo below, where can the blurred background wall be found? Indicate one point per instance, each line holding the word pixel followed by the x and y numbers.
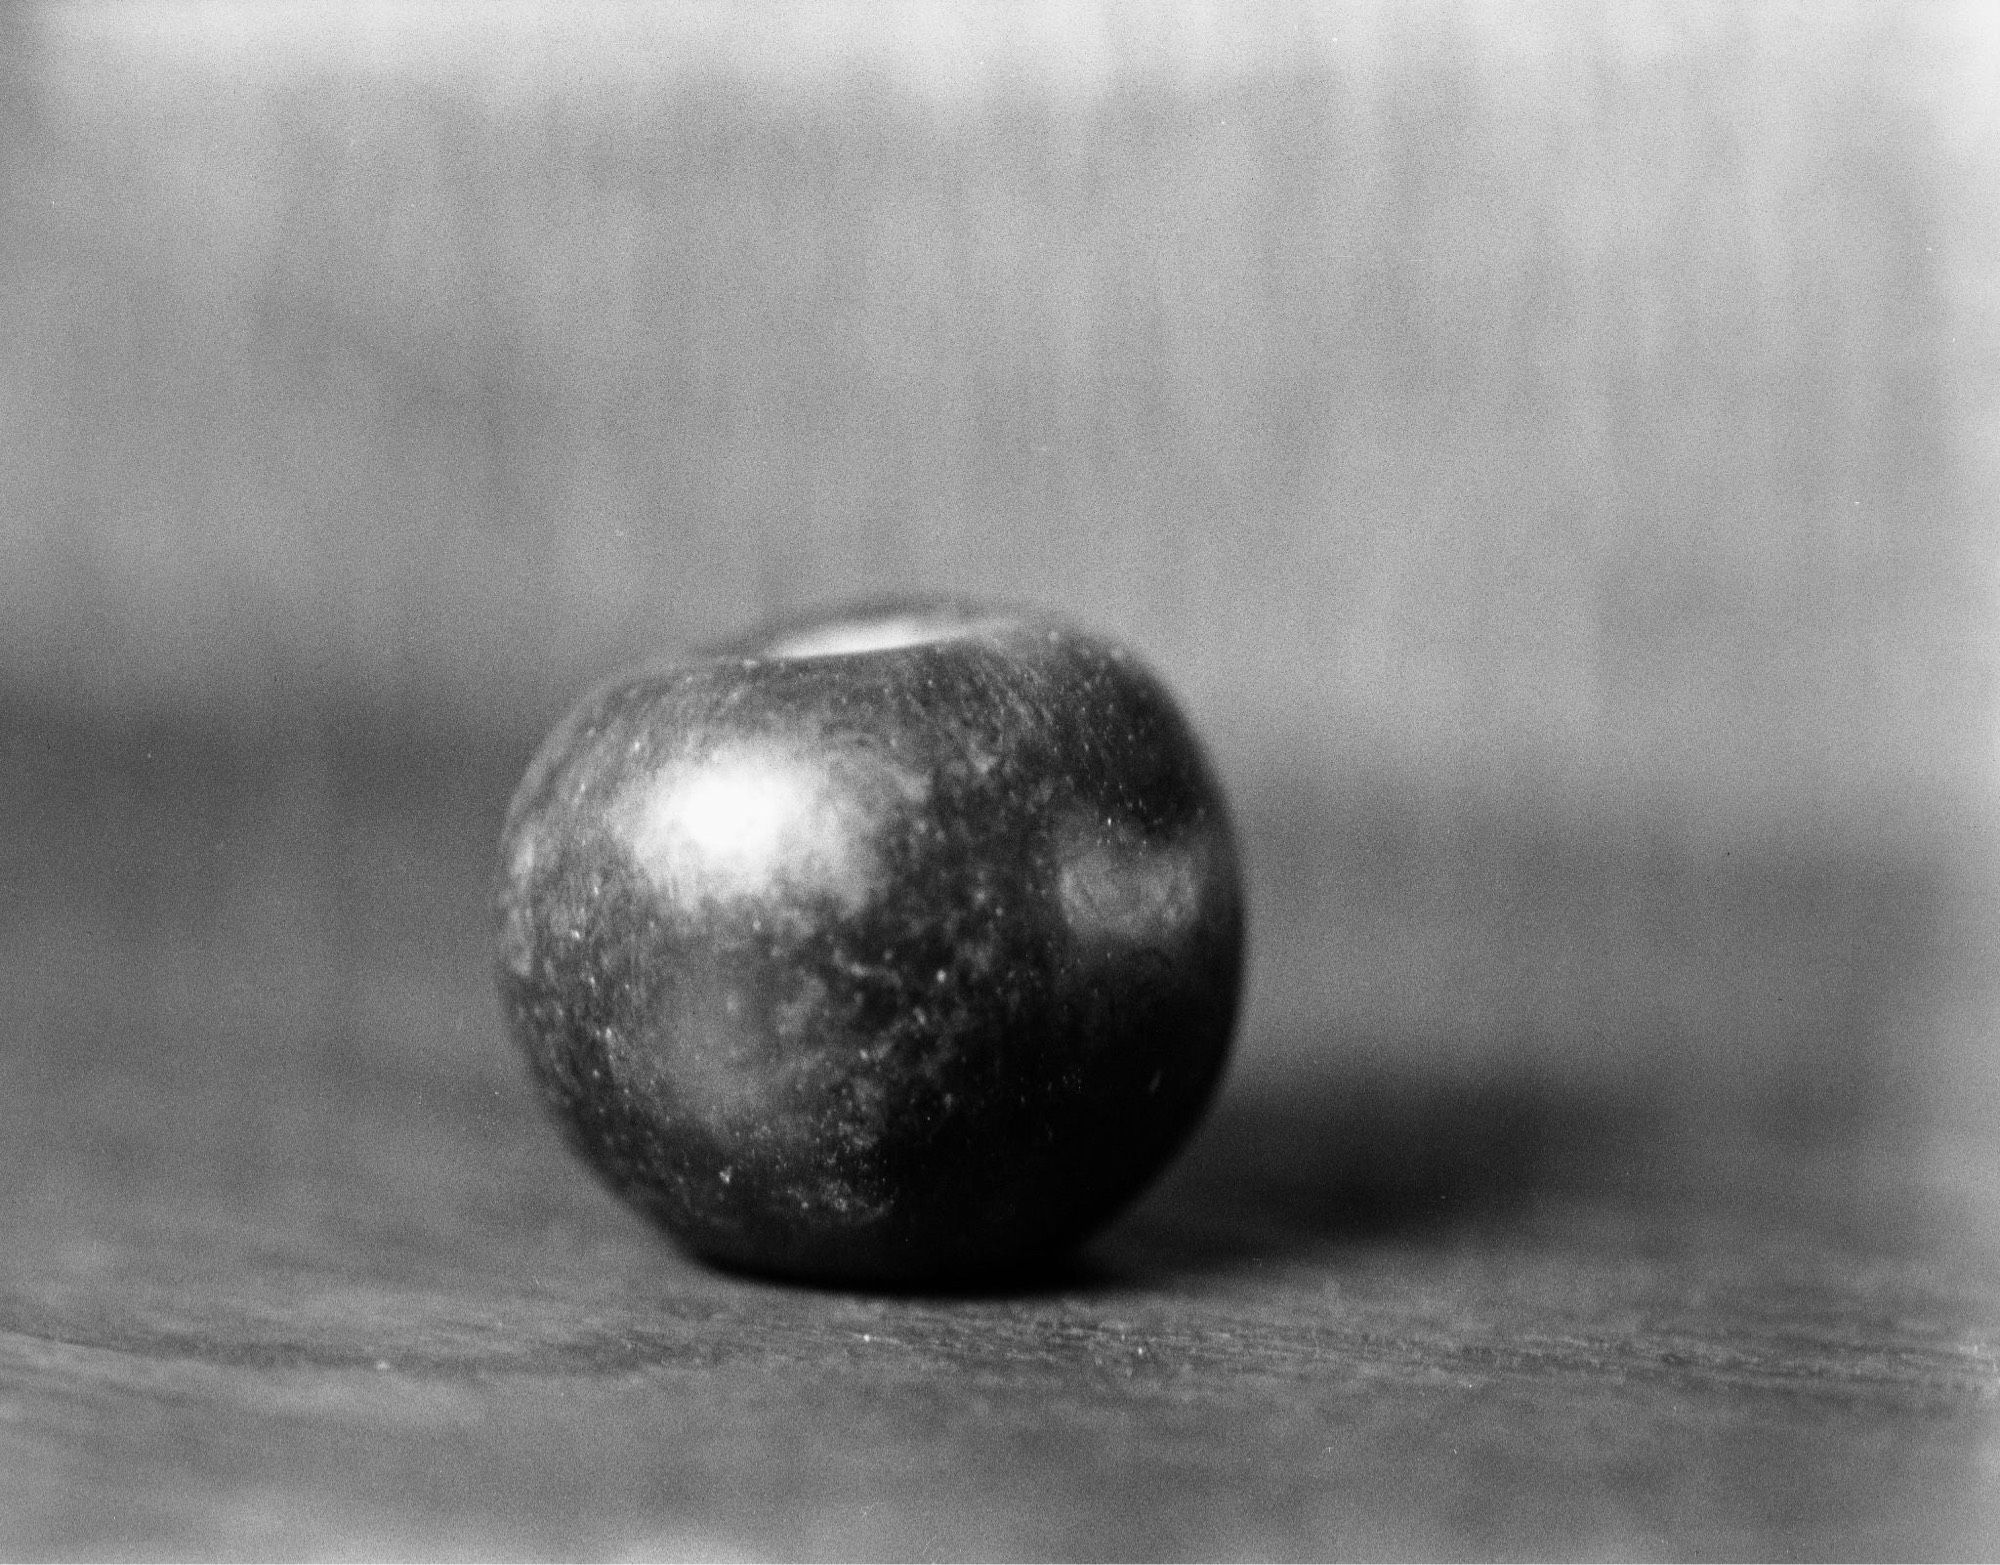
pixel 1550 444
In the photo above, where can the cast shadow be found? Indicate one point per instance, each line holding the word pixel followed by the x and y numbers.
pixel 1282 1171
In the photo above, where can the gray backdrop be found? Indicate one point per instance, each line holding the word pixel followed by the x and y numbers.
pixel 1550 445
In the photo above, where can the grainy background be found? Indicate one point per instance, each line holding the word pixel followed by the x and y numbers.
pixel 1552 446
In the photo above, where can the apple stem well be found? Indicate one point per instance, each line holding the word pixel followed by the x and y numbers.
pixel 889 631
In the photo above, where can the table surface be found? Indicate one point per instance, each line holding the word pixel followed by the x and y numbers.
pixel 293 1267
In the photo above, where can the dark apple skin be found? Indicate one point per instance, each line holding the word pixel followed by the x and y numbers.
pixel 898 967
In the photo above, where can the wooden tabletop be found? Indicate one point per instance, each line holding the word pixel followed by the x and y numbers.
pixel 292 1266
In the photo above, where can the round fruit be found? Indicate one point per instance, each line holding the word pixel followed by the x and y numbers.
pixel 897 947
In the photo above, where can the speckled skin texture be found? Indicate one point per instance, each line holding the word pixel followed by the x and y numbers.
pixel 900 965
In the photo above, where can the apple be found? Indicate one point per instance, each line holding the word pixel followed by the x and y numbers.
pixel 899 947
